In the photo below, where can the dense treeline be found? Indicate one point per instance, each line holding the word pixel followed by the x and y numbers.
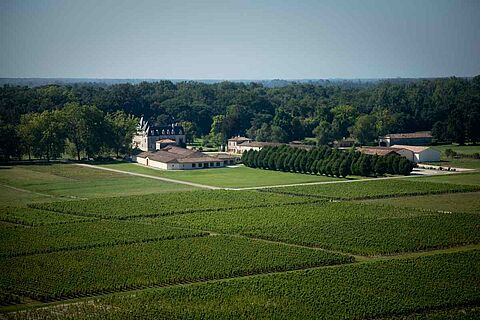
pixel 449 107
pixel 78 130
pixel 326 161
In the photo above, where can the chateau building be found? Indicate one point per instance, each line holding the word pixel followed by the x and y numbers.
pixel 147 136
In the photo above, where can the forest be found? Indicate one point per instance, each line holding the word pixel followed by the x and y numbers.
pixel 88 118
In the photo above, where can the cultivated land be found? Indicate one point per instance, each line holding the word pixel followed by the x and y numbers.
pixel 234 177
pixel 83 243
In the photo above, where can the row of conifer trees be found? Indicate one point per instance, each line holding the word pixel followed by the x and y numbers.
pixel 326 161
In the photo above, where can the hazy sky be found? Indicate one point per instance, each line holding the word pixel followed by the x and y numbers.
pixel 258 39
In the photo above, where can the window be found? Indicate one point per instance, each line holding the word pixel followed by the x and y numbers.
pixel 217 164
pixel 194 165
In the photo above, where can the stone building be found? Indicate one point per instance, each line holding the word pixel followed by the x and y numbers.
pixel 147 135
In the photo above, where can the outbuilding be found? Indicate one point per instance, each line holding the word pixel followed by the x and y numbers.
pixel 421 154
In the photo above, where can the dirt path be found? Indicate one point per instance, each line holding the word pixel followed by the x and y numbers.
pixel 149 176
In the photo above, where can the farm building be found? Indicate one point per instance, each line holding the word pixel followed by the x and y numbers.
pixel 147 136
pixel 175 158
pixel 411 139
pixel 421 154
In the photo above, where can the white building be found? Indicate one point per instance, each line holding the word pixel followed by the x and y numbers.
pixel 147 136
pixel 233 143
pixel 175 158
pixel 421 154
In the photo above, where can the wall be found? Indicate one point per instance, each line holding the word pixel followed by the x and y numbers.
pixel 428 156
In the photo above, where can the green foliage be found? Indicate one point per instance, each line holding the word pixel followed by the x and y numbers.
pixel 169 203
pixel 73 236
pixel 324 160
pixel 78 273
pixel 349 227
pixel 374 189
pixel 358 291
pixel 34 217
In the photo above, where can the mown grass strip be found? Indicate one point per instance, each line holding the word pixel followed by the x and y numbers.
pixel 72 274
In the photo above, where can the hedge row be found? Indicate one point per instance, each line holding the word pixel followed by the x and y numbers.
pixel 326 161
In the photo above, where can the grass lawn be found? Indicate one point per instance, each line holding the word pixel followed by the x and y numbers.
pixel 454 202
pixel 71 181
pixel 460 163
pixel 467 149
pixel 236 177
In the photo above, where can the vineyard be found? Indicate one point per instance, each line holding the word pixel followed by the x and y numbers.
pixel 79 273
pixel 22 240
pixel 356 250
pixel 34 217
pixel 381 289
pixel 354 228
pixel 168 204
pixel 373 189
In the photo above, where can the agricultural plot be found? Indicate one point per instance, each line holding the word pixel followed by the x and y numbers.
pixel 78 273
pixel 69 181
pixel 34 217
pixel 472 178
pixel 27 240
pixel 457 202
pixel 380 289
pixel 373 189
pixel 171 203
pixel 345 226
pixel 237 177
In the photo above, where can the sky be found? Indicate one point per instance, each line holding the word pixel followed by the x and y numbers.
pixel 226 39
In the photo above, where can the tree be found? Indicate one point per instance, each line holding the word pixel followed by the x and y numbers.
pixel 8 142
pixel 85 128
pixel 380 166
pixel 122 128
pixel 323 133
pixel 364 129
pixel 344 169
pixel 189 130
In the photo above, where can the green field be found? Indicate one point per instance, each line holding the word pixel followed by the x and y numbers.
pixel 472 178
pixel 171 203
pixel 349 227
pixel 35 217
pixel 458 162
pixel 459 202
pixel 69 181
pixel 83 243
pixel 373 189
pixel 357 291
pixel 22 240
pixel 80 272
pixel 235 177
